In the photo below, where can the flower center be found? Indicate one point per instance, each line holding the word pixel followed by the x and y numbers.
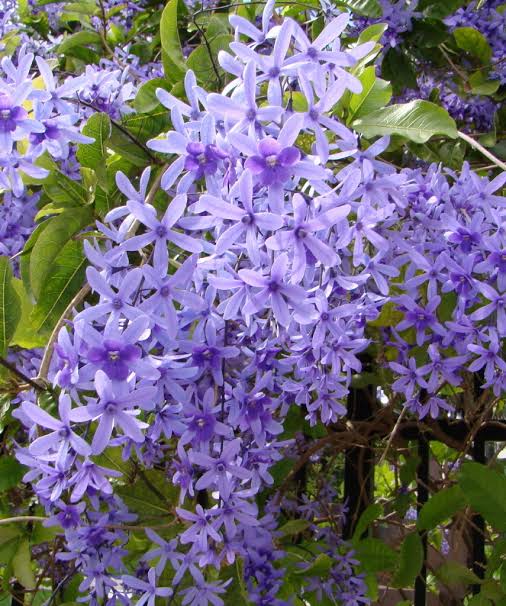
pixel 300 232
pixel 113 355
pixel 271 160
pixel 117 303
pixel 110 407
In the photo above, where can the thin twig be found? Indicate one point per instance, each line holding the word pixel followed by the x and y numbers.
pixel 85 290
pixel 479 147
pixel 121 128
pixel 48 352
pixel 11 368
pixel 22 519
pixel 209 49
pixel 392 435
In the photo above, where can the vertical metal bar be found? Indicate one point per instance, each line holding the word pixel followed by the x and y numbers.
pixel 422 475
pixel 478 528
pixel 358 462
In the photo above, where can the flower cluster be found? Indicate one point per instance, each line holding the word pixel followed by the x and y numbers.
pixel 280 251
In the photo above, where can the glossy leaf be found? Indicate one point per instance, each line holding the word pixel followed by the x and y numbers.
pixel 417 121
pixel 10 305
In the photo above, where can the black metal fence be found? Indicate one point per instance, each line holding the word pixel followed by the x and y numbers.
pixel 360 466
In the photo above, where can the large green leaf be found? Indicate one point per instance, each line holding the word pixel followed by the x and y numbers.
pixel 375 556
pixel 441 506
pixel 369 8
pixel 25 335
pixel 410 561
pixel 60 286
pixel 51 241
pixel 473 42
pixel 204 61
pixel 368 516
pixel 417 121
pixel 169 35
pixel 22 565
pixel 375 93
pixel 11 472
pixel 320 567
pixel 80 39
pixel 64 190
pixel 397 67
pixel 10 305
pixel 440 8
pixel 94 155
pixel 146 99
pixel 453 574
pixel 485 491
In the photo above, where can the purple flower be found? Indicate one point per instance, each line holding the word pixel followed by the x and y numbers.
pixel 114 409
pixel 247 221
pixel 221 470
pixel 274 163
pixel 496 306
pixel 149 589
pixel 62 436
pixel 421 318
pixel 301 237
pixel 243 113
pixel 203 159
pixel 411 377
pixel 274 292
pixel 489 357
pixel 115 352
pixel 160 232
pixel 202 529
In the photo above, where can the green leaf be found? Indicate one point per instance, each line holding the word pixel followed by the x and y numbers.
pixel 368 8
pixel 60 286
pixel 94 155
pixel 318 568
pixel 169 34
pixel 51 241
pixel 25 335
pixel 368 516
pixel 375 93
pixel 204 61
pixel 146 99
pixel 294 527
pixel 372 33
pixel 481 86
pixel 485 491
pixel 10 305
pixel 453 574
pixel 473 42
pixel 441 506
pixel 9 541
pixel 440 8
pixel 64 190
pixel 428 33
pixel 11 472
pixel 410 561
pixel 22 565
pixel 398 69
pixel 375 556
pixel 417 121
pixel 150 494
pixel 389 316
pixel 79 40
